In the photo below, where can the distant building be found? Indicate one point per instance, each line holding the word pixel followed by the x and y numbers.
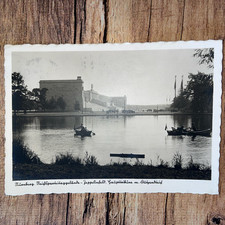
pixel 101 102
pixel 70 90
pixel 77 99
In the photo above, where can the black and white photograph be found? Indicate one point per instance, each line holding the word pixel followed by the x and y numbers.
pixel 128 114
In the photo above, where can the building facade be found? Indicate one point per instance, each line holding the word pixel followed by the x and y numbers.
pixel 94 97
pixel 76 99
pixel 70 90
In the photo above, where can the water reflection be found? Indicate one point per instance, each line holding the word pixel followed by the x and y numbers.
pixel 201 121
pixel 50 136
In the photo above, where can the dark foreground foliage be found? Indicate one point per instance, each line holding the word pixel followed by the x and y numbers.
pixel 27 166
pixel 22 154
pixel 54 171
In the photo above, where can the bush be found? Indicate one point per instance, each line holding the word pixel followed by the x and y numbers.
pixel 163 164
pixel 197 166
pixel 193 166
pixel 90 160
pixel 138 162
pixel 177 161
pixel 22 154
pixel 67 159
pixel 61 103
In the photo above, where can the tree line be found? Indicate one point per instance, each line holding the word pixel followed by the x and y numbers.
pixel 197 96
pixel 23 99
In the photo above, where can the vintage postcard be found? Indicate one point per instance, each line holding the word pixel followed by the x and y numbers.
pixel 142 118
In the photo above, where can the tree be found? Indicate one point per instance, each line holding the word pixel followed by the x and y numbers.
pixel 200 86
pixel 77 106
pixel 181 103
pixel 51 104
pixel 198 95
pixel 39 97
pixel 61 103
pixel 20 94
pixel 206 56
pixel 199 91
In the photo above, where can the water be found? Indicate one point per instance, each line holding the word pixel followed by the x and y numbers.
pixel 51 136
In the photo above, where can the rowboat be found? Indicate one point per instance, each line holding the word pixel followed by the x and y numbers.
pixel 175 132
pixel 206 133
pixel 123 155
pixel 178 132
pixel 83 133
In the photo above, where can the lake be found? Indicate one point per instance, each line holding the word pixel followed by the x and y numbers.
pixel 51 136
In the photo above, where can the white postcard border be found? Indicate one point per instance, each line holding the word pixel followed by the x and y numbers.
pixel 115 185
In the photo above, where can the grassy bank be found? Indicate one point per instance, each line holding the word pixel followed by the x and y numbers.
pixel 27 166
pixel 53 171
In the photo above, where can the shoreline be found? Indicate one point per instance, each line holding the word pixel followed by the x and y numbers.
pixel 57 114
pixel 117 171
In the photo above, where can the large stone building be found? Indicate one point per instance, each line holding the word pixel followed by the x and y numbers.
pixel 102 102
pixel 70 90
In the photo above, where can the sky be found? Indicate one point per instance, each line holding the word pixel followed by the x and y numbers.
pixel 145 77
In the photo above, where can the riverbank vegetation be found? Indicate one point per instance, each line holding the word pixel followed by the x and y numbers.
pixel 28 166
pixel 197 96
pixel 35 100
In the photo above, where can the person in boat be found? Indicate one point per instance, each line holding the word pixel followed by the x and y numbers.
pixel 81 128
pixel 193 127
pixel 180 128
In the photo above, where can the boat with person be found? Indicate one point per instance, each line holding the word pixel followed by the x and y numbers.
pixel 175 132
pixel 189 132
pixel 83 131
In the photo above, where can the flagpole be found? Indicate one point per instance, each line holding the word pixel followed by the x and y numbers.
pixel 175 86
pixel 181 86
